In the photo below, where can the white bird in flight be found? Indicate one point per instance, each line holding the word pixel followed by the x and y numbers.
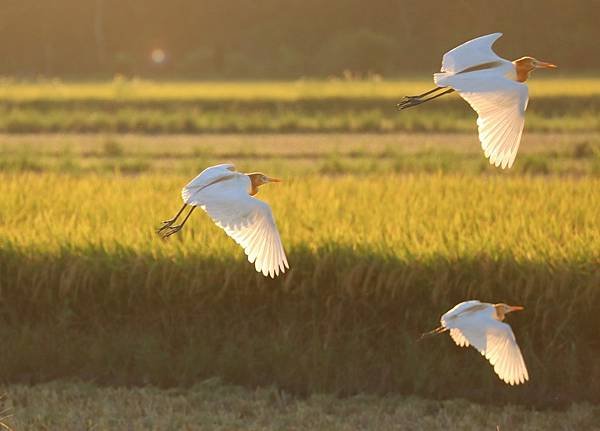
pixel 494 87
pixel 480 324
pixel 227 197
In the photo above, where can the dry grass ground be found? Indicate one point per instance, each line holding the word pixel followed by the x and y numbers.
pixel 214 406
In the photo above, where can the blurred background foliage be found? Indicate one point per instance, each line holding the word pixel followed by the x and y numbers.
pixel 281 39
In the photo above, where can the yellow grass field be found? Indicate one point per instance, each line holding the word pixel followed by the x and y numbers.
pixel 137 89
pixel 558 105
pixel 404 217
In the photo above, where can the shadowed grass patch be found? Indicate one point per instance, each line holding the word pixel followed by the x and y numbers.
pixel 138 320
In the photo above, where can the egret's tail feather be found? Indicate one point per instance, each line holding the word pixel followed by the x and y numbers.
pixel 439 78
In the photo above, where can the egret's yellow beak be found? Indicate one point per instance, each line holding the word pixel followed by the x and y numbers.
pixel 544 65
pixel 273 180
pixel 517 308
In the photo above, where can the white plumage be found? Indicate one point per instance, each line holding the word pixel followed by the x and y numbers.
pixel 225 196
pixel 472 53
pixel 492 91
pixel 477 324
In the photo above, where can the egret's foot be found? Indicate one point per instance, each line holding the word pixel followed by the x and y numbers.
pixel 408 102
pixel 166 224
pixel 167 231
pixel 405 100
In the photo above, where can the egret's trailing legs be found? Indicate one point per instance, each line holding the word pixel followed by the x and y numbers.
pixel 168 229
pixel 169 222
pixel 437 330
pixel 410 101
pixel 407 99
pixel 426 93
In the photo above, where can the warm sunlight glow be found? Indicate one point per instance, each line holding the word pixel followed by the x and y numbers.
pixel 158 56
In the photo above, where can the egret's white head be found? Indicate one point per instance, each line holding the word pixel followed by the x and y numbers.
pixel 503 309
pixel 258 179
pixel 525 65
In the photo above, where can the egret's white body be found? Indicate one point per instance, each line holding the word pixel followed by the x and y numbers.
pixel 495 89
pixel 480 324
pixel 225 195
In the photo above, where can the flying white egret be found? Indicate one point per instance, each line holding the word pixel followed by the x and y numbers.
pixel 227 197
pixel 495 89
pixel 480 324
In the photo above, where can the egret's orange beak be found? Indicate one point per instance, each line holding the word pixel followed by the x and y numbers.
pixel 516 308
pixel 545 65
pixel 273 180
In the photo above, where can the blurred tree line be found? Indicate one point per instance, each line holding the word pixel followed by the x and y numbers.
pixel 282 38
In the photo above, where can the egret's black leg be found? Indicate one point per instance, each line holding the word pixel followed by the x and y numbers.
pixel 171 220
pixel 437 330
pixel 168 223
pixel 170 230
pixel 407 99
pixel 426 93
pixel 414 101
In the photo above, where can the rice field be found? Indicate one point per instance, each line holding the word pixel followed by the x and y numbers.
pixel 105 326
pixel 558 105
pixel 299 154
pixel 90 292
pixel 11 90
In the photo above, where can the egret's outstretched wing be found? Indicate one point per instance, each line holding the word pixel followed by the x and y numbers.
pixel 496 341
pixel 458 309
pixel 500 104
pixel 470 54
pixel 459 338
pixel 207 177
pixel 459 312
pixel 251 224
pixel 247 220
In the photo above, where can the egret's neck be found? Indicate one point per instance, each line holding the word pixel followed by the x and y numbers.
pixel 499 313
pixel 253 185
pixel 521 71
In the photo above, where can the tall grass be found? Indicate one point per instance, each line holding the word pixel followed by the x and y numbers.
pixel 89 291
